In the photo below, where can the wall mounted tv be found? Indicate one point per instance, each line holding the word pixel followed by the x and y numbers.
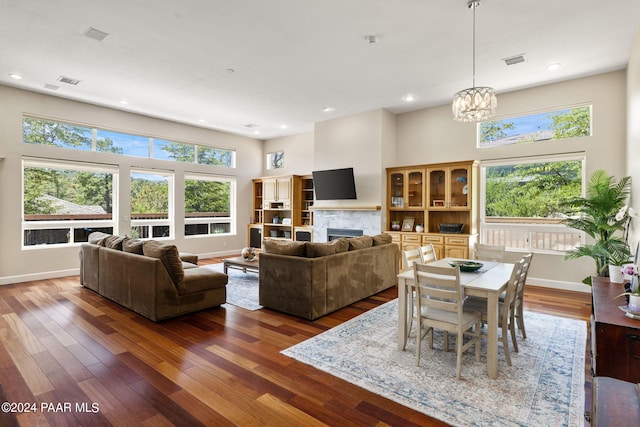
pixel 334 184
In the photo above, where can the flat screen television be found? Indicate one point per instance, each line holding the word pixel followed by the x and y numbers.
pixel 334 184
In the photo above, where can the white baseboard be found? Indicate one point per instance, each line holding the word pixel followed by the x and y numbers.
pixel 8 280
pixel 555 284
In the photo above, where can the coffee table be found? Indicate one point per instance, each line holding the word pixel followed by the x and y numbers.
pixel 240 263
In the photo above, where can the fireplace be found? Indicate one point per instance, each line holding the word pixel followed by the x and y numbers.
pixel 336 233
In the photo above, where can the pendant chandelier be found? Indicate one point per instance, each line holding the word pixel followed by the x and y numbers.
pixel 474 104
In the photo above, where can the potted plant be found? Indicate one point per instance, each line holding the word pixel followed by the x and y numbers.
pixel 595 214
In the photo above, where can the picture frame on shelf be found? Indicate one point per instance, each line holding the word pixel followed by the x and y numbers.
pixel 407 224
pixel 438 203
pixel 397 202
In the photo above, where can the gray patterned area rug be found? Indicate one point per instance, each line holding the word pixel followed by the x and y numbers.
pixel 242 288
pixel 543 387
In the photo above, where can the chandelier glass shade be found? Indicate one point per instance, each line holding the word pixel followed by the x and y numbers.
pixel 474 104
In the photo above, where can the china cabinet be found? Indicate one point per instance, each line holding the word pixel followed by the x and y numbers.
pixel 442 199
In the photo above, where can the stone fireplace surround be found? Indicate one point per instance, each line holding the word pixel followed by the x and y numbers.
pixel 369 221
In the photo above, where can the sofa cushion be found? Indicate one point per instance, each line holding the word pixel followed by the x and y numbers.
pixel 360 242
pixel 190 258
pixel 381 239
pixel 97 238
pixel 202 279
pixel 133 246
pixel 113 242
pixel 168 254
pixel 318 249
pixel 281 247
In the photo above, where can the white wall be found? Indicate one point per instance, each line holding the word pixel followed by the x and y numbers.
pixel 431 135
pixel 19 265
pixel 362 141
pixel 633 134
pixel 298 154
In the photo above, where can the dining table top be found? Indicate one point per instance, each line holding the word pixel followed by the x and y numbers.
pixel 491 276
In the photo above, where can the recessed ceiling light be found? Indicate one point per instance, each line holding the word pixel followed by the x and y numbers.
pixel 409 98
pixel 283 126
pixel 123 102
pixel 15 76
pixel 554 66
pixel 256 132
pixel 371 39
pixel 328 109
pixel 202 120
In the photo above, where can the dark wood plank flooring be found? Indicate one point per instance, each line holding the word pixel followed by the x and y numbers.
pixel 83 360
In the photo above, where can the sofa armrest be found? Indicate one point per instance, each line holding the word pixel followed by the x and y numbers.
pixel 293 285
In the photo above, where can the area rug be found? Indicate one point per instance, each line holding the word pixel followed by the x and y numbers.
pixel 543 387
pixel 242 288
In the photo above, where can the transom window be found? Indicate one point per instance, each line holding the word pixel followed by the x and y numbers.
pixel 77 137
pixel 557 124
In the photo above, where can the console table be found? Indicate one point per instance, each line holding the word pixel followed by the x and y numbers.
pixel 615 338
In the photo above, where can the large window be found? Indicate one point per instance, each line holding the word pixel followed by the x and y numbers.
pixel 64 202
pixel 151 204
pixel 209 203
pixel 521 208
pixel 557 124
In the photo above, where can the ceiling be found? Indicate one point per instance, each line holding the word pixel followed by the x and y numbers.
pixel 266 69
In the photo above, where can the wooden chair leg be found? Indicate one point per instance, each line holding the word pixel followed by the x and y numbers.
pixel 505 343
pixel 521 321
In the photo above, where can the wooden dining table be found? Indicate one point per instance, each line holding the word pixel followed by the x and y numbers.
pixel 488 282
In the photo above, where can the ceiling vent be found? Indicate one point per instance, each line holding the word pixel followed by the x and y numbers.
pixel 513 60
pixel 94 34
pixel 68 80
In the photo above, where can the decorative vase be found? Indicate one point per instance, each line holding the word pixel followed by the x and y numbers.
pixel 395 226
pixel 634 303
pixel 615 274
pixel 419 228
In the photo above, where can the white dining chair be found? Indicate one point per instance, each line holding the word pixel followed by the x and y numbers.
pixel 409 257
pixel 506 310
pixel 427 253
pixel 489 252
pixel 439 304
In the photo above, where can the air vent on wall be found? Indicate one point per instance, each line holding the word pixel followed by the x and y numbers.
pixel 68 80
pixel 514 59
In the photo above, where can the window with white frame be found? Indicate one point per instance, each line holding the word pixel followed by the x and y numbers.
pixel 275 160
pixel 208 205
pixel 37 130
pixel 521 206
pixel 545 126
pixel 63 202
pixel 151 204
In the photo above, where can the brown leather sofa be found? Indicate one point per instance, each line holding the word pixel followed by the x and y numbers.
pixel 309 280
pixel 149 277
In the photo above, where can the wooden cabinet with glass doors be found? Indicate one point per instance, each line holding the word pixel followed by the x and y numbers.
pixel 442 199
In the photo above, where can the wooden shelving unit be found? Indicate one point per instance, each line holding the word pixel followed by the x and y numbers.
pixel 282 208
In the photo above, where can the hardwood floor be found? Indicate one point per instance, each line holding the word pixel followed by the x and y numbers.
pixel 83 360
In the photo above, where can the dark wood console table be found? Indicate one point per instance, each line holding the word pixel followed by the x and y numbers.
pixel 615 338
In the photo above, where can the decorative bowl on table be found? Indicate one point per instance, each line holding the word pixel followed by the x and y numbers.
pixel 466 265
pixel 249 254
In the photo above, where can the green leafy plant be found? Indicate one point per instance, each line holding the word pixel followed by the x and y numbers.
pixel 595 214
